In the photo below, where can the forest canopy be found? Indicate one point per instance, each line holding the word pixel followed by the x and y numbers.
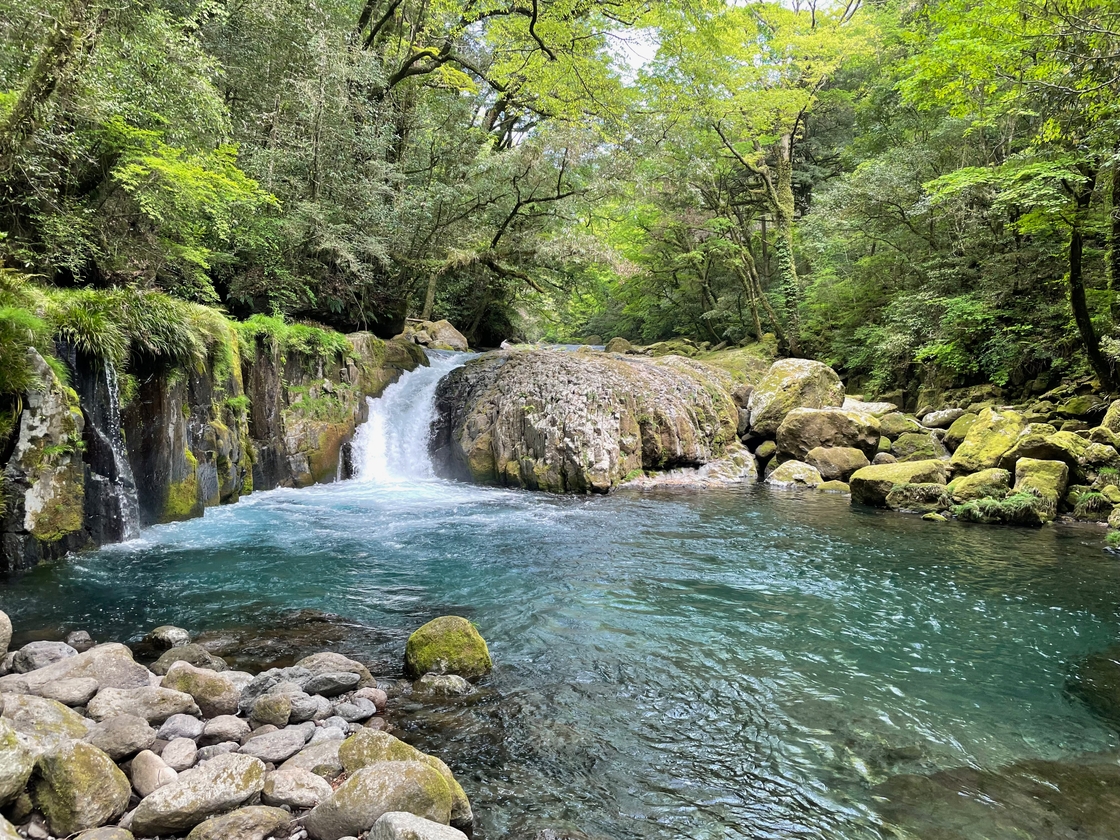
pixel 918 190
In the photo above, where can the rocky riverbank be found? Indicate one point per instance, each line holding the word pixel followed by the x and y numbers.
pixel 95 744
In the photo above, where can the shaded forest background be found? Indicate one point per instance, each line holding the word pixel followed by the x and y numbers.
pixel 914 190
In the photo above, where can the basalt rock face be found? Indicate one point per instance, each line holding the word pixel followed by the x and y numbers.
pixel 580 423
pixel 90 464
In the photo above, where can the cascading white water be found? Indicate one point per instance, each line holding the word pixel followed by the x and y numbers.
pixel 125 483
pixel 392 446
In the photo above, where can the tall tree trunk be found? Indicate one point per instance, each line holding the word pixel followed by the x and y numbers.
pixel 1114 238
pixel 430 297
pixel 1077 301
pixel 783 244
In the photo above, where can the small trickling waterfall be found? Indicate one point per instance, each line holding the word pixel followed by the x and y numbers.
pixel 392 446
pixel 124 483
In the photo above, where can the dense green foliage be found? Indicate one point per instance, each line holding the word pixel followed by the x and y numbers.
pixel 915 193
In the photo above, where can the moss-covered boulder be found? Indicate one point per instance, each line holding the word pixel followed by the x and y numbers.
pixel 1016 508
pixel 254 822
pixel 370 746
pixel 794 474
pixel 918 446
pixel 8 831
pixel 1083 407
pixel 1111 418
pixel 16 764
pixel 917 498
pixel 895 424
pixel 77 786
pixel 44 723
pixel 806 429
pixel 992 483
pixel 378 789
pixel 834 487
pixel 399 825
pixel 447 645
pixel 958 431
pixel 871 485
pixel 990 437
pixel 790 384
pixel 214 787
pixel 1105 435
pixel 837 463
pixel 1045 479
pixel 214 693
pixel 1031 443
pixel 195 655
pixel 154 704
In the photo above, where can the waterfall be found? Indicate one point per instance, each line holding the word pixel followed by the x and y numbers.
pixel 124 483
pixel 392 446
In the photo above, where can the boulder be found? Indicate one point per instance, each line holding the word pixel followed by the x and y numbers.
pixel 793 474
pixel 434 685
pixel 1111 419
pixel 958 431
pixel 401 825
pixel 121 736
pixel 153 704
pixel 274 709
pixel 195 655
pixel 871 485
pixel 16 763
pixel 266 681
pixel 109 832
pixel 221 784
pixel 255 822
pixel 1045 479
pixel 181 726
pixel 837 463
pixel 80 640
pixel 36 655
pixel 447 645
pixel 295 787
pixel 329 662
pixel 376 790
pixel 358 710
pixel 150 772
pixel 214 693
pixel 1031 443
pixel 166 637
pixel 876 409
pixel 918 446
pixel 834 487
pixel 45 723
pixel 73 692
pixel 805 429
pixel 331 685
pixel 8 831
pixel 322 759
pixel 988 440
pixel 917 498
pixel 5 633
pixel 277 746
pixel 377 696
pixel 225 728
pixel 942 419
pixel 792 384
pixel 619 345
pixel 895 424
pixel 77 786
pixel 991 483
pixel 111 665
pixel 369 747
pixel 180 754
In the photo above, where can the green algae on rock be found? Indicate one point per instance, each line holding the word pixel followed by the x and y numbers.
pixel 447 645
pixel 871 485
pixel 78 786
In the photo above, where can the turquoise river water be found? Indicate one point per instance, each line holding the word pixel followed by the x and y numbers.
pixel 717 664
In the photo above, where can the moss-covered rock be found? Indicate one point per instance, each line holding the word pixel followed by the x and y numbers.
pixel 793 474
pixel 44 723
pixel 918 446
pixel 195 655
pixel 837 463
pixel 917 498
pixel 447 645
pixel 805 429
pixel 370 746
pixel 16 764
pixel 253 822
pixel 990 437
pixel 214 787
pixel 1017 508
pixel 77 786
pixel 871 485
pixel 214 693
pixel 1031 443
pixel 834 487
pixel 618 345
pixel 1045 479
pixel 790 384
pixel 895 424
pixel 958 431
pixel 378 789
pixel 1111 418
pixel 992 483
pixel 1082 407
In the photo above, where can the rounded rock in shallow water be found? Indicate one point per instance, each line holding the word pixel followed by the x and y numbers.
pixel 195 655
pixel 1097 682
pixel 442 685
pixel 401 825
pixel 166 637
pixel 80 640
pixel 447 645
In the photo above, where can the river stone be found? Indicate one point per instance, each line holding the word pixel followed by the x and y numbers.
pixel 180 754
pixel 1045 479
pixel 359 710
pixel 917 498
pixel 167 637
pixel 918 446
pixel 805 429
pixel 122 735
pixel 836 463
pixel 16 763
pixel 36 655
pixel 308 707
pixel 370 746
pixel 447 645
pixel 378 697
pixel 267 680
pixel 214 750
pixel 327 733
pixel 77 786
pixel 871 485
pixel 109 832
pixel 875 409
pixel 992 483
pixel 213 692
pixel 153 704
pixel 295 787
pixel 329 662
pixel 74 692
pixel 8 831
pixel 272 709
pixel 332 685
pixel 195 655
pixel 988 440
pixel 255 822
pixel 150 772
pixel 225 728
pixel 943 419
pixel 219 785
pixel 80 640
pixel 791 384
pixel 322 759
pixel 895 424
pixel 1032 442
pixel 110 664
pixel 277 746
pixel 957 432
pixel 376 790
pixel 5 633
pixel 181 726
pixel 46 723
pixel 438 685
pixel 401 825
pixel 792 474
